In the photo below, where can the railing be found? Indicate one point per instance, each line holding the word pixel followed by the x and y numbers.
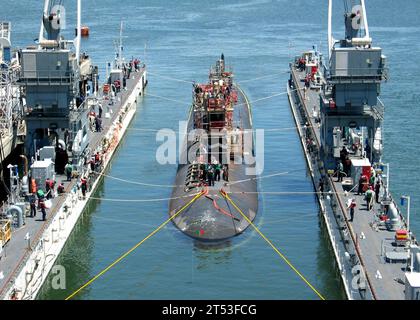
pixel 358 74
pixel 46 76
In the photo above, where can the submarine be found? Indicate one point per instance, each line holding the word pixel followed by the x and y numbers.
pixel 216 160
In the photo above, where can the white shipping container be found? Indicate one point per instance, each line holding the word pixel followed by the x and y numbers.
pixel 41 170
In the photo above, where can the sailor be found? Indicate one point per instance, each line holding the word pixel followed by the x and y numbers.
pixel 372 180
pixel 351 206
pixel 217 169
pixel 361 182
pixel 33 206
pixel 100 110
pixel 83 182
pixel 210 176
pixel 343 154
pixel 69 171
pixel 377 190
pixel 42 206
pixel 97 159
pixel 66 136
pixel 321 186
pixel 117 84
pixel 369 198
pixel 347 166
pixel 60 188
pixel 125 83
pixel 52 186
pixel 340 171
pixel 47 187
pixel 225 172
pixel 98 124
pixel 92 163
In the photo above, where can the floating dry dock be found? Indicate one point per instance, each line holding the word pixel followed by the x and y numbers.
pixel 69 119
pixel 339 119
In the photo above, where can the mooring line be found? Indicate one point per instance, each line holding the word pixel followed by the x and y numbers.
pixel 225 195
pixel 133 248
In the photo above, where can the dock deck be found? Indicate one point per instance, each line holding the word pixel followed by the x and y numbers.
pixel 382 262
pixel 17 251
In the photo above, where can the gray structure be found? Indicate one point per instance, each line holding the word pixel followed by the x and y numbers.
pixel 349 100
pixel 55 84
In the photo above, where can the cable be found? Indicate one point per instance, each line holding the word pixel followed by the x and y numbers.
pixel 168 99
pixel 142 200
pixel 141 183
pixel 263 177
pixel 241 104
pixel 242 81
pixel 262 77
pixel 225 195
pixel 176 131
pixel 134 248
pixel 173 186
pixel 170 78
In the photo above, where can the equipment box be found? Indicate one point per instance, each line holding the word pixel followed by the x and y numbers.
pixel 41 170
pixel 412 286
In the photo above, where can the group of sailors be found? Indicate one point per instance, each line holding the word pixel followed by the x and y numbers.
pixel 209 173
pixel 38 198
pixel 344 165
pixel 127 68
pixel 219 91
pixel 95 120
pixel 301 64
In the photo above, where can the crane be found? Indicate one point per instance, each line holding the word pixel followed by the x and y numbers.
pixel 356 24
pixel 53 20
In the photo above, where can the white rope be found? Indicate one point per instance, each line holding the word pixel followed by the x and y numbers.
pixel 141 183
pixel 290 193
pixel 143 200
pixel 170 78
pixel 173 186
pixel 176 131
pixel 242 81
pixel 264 177
pixel 262 77
pixel 240 104
pixel 167 99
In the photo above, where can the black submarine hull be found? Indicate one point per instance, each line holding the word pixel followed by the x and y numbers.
pixel 212 218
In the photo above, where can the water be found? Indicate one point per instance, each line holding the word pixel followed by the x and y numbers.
pixel 258 39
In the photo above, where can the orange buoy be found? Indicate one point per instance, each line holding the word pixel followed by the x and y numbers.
pixel 106 88
pixel 84 31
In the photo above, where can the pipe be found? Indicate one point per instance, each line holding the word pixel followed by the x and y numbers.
pixel 41 31
pixel 79 30
pixel 330 37
pixel 365 22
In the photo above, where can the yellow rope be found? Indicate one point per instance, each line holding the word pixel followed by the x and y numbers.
pixel 224 194
pixel 133 248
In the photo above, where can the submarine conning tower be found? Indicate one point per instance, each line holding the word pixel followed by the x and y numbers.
pixel 349 103
pixel 55 81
